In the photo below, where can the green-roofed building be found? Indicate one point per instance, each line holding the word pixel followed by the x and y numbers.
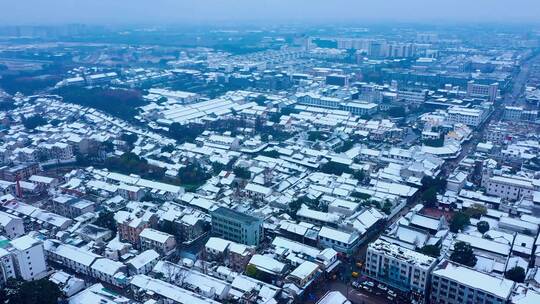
pixel 236 226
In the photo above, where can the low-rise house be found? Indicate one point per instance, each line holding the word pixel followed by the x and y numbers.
pixel 162 291
pixel 161 242
pixel 12 226
pixel 131 224
pixel 68 284
pixel 268 269
pixel 74 258
pixel 70 206
pixel 143 263
pixel 109 271
pixel 341 241
pixel 304 275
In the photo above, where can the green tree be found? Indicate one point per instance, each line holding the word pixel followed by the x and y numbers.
pixel 360 195
pixel 431 250
pixel 117 102
pixel 387 207
pixel 242 172
pixel 40 291
pixel 335 168
pixel 130 163
pixel 33 122
pixel 482 226
pixel 429 197
pixel 347 145
pixel 185 133
pixel 270 153
pixel 106 220
pixel 459 221
pixel 107 146
pixel 193 174
pixel 129 138
pixel 360 175
pixel 396 112
pixel 168 227
pixel 516 274
pixel 463 254
pixel 261 100
pixel 429 182
pixel 167 148
pixel 252 271
pixel 315 135
pixel 476 211
pixel 217 167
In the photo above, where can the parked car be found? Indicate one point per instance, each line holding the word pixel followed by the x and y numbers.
pixel 391 293
pixel 356 284
pixel 369 284
pixel 382 287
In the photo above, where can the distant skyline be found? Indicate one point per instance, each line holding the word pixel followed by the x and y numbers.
pixel 111 12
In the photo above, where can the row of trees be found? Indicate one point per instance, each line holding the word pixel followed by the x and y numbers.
pixel 130 163
pixel 117 102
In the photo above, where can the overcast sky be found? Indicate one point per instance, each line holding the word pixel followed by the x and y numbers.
pixel 212 11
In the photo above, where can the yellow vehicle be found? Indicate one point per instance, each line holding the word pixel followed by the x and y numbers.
pixel 359 264
pixel 355 274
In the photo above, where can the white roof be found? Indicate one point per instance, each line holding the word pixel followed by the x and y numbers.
pixel 341 236
pixel 107 266
pixel 280 242
pixel 497 286
pixel 25 242
pixel 258 189
pixel 304 270
pixel 217 244
pixel 333 297
pixel 6 218
pixel 73 253
pixel 155 235
pixel 169 291
pixel 485 244
pixel 267 263
pixel 143 258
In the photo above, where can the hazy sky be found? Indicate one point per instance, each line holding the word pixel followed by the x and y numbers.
pixel 185 11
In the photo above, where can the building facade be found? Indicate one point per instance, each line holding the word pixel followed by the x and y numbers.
pixel 237 227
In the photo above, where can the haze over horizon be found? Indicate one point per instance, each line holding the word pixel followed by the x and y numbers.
pixel 38 12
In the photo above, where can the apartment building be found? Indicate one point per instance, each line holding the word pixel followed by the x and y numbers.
pixel 237 226
pixel 452 283
pixel 509 187
pixel 28 258
pixel 468 116
pixel 482 90
pixel 399 267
